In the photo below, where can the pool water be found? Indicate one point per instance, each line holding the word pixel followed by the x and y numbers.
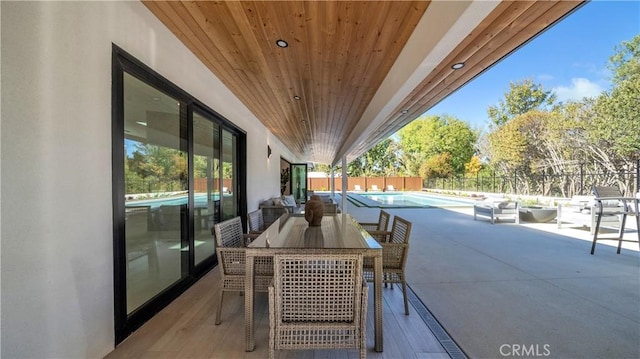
pixel 407 200
pixel 200 200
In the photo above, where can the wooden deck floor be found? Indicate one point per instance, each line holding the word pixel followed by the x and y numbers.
pixel 186 329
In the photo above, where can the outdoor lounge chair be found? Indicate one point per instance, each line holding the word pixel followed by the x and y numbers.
pixel 317 301
pixel 496 208
pixel 610 201
pixel 331 208
pixel 581 211
pixel 390 188
pixel 374 188
pixel 357 188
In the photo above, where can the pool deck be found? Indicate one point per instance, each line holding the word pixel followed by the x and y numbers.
pixel 504 288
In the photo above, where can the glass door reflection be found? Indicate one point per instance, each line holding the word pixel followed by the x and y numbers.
pixel 156 191
pixel 299 182
pixel 206 175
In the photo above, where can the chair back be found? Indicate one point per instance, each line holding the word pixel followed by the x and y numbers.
pixel 229 233
pixel 317 287
pixel 256 221
pixel 232 259
pixel 394 253
pixel 606 191
pixel 317 301
pixel 383 220
pixel 614 202
pixel 400 231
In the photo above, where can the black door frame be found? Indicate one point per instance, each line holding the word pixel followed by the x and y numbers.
pixel 123 62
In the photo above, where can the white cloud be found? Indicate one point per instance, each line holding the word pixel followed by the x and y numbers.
pixel 579 89
pixel 545 77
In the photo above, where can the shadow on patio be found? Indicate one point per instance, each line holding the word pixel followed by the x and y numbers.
pixel 502 290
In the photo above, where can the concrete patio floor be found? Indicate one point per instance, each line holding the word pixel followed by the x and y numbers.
pixel 527 290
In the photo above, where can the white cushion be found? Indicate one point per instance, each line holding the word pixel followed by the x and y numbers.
pixel 610 203
pixel 289 201
pixel 503 205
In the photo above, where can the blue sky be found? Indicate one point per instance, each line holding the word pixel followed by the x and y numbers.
pixel 570 58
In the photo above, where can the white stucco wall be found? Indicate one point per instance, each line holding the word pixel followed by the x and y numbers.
pixel 55 164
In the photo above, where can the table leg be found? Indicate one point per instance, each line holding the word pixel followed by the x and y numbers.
pixel 377 291
pixel 248 305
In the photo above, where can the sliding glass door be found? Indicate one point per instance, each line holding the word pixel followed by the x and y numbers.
pixel 206 173
pixel 178 168
pixel 156 191
pixel 229 175
pixel 299 182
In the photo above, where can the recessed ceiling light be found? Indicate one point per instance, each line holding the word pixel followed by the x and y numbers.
pixel 282 43
pixel 296 97
pixel 404 111
pixel 141 123
pixel 457 65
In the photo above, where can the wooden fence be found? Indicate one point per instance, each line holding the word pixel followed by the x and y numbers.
pixel 367 183
pixel 201 185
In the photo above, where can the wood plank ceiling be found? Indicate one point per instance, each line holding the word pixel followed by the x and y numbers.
pixel 335 91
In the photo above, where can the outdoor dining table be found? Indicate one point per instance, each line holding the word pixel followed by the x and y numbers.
pixel 339 233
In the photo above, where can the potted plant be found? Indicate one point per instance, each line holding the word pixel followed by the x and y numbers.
pixel 284 179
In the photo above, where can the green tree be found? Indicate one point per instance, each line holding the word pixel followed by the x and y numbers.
pixel 379 160
pixel 519 147
pixel 355 168
pixel 616 125
pixel 434 136
pixel 625 63
pixel 523 96
pixel 437 166
pixel 321 167
pixel 164 167
pixel 458 139
pixel 473 167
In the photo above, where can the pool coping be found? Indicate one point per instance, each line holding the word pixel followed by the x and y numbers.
pixel 357 199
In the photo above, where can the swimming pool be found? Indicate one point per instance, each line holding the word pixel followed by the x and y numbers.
pixel 406 200
pixel 200 200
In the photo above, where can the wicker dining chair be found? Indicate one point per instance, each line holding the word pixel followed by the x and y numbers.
pixel 394 257
pixel 317 301
pixel 379 230
pixel 256 221
pixel 230 249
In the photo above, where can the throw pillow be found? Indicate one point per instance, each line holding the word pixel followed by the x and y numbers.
pixel 289 201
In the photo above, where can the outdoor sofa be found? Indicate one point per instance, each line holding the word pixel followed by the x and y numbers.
pixel 275 207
